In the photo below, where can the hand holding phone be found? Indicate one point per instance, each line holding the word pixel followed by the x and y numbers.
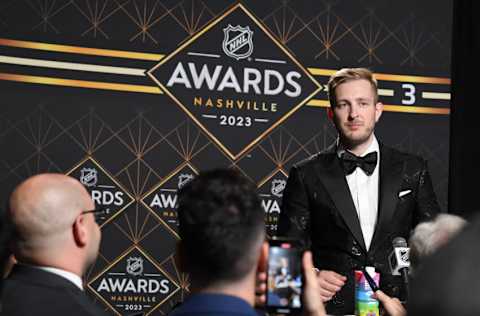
pixel 284 276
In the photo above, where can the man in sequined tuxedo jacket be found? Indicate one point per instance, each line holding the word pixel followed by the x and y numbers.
pixel 350 201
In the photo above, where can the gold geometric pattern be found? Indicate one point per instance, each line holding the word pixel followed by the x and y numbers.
pixel 46 11
pixel 372 33
pixel 90 132
pixel 145 14
pixel 188 139
pixel 96 12
pixel 281 146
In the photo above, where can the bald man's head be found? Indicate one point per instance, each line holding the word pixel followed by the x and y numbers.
pixel 42 211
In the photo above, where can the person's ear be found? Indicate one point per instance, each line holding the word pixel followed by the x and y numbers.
pixel 263 258
pixel 80 231
pixel 330 113
pixel 378 111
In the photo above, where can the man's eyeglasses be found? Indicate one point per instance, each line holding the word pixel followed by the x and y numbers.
pixel 100 214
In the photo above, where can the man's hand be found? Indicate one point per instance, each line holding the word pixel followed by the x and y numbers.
pixel 329 283
pixel 260 289
pixel 391 304
pixel 312 300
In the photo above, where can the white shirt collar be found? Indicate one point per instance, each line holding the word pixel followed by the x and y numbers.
pixel 72 277
pixel 374 146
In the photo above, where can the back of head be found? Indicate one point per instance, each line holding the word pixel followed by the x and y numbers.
pixel 221 224
pixel 348 74
pixel 41 213
pixel 429 236
pixel 448 282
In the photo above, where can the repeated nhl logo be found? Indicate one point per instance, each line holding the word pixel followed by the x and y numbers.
pixel 133 284
pixel 237 41
pixel 278 185
pixel 135 266
pixel 105 191
pixel 184 178
pixel 235 78
pixel 271 193
pixel 89 177
pixel 162 200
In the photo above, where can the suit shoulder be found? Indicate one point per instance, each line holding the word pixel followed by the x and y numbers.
pixel 409 158
pixel 309 162
pixel 38 298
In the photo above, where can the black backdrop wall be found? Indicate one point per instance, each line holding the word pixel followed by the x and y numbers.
pixel 464 151
pixel 105 90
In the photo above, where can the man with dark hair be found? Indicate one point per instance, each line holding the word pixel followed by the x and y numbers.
pixel 221 224
pixel 350 201
pixel 55 238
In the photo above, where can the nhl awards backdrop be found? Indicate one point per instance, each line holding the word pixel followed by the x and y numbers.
pixel 136 97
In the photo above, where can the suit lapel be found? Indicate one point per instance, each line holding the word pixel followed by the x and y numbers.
pixel 389 185
pixel 331 174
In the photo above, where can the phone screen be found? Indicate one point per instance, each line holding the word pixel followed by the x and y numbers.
pixel 285 281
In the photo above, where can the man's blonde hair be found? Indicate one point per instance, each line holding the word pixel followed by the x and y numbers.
pixel 349 74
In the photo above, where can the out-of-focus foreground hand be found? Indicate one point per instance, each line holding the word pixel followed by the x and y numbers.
pixel 261 289
pixel 330 283
pixel 312 298
pixel 392 305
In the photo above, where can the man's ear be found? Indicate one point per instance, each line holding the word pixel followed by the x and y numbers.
pixel 378 111
pixel 180 256
pixel 79 231
pixel 263 258
pixel 330 113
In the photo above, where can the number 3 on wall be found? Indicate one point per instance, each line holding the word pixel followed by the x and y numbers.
pixel 409 91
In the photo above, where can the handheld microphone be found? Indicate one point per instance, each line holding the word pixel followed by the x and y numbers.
pixel 400 257
pixel 400 260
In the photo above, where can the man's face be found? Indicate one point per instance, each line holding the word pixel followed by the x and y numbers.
pixel 356 111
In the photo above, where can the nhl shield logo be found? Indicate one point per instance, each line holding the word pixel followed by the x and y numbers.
pixel 89 177
pixel 237 41
pixel 278 186
pixel 405 256
pixel 183 179
pixel 135 266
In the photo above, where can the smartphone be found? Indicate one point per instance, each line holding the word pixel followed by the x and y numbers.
pixel 284 276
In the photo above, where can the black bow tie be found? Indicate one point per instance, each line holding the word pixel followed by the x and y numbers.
pixel 351 162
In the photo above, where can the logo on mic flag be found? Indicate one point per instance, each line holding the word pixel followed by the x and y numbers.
pixel 399 259
pixel 405 256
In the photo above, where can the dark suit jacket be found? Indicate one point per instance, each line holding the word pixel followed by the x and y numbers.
pixel 31 291
pixel 318 208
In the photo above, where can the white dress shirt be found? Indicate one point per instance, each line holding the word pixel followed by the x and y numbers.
pixel 364 191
